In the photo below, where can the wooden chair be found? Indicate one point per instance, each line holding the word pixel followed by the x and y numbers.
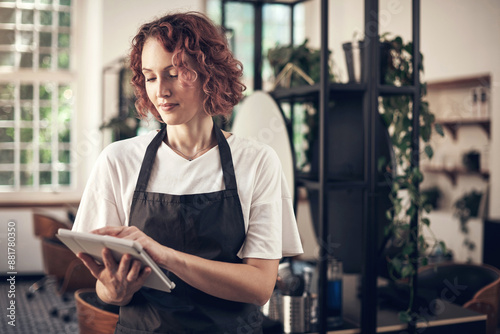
pixel 485 307
pixel 58 261
pixel 94 316
pixel 473 286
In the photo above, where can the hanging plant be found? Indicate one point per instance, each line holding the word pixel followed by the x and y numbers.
pixel 407 200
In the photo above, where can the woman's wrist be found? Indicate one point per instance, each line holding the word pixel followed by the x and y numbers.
pixel 171 260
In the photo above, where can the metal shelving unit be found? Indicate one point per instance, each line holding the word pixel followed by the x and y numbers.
pixel 368 92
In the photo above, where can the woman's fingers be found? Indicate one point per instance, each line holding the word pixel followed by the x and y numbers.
pixel 144 274
pixel 89 262
pixel 108 260
pixel 109 230
pixel 135 270
pixel 124 266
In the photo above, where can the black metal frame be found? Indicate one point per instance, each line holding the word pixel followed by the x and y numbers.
pixel 258 4
pixel 370 89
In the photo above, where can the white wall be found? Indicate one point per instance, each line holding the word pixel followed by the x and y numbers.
pixel 122 19
pixel 464 44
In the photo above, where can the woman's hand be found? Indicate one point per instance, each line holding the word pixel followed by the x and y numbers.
pixel 156 251
pixel 116 282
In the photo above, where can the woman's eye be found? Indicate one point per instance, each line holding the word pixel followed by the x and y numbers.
pixel 150 79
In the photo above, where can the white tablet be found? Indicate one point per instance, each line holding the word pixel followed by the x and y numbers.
pixel 92 244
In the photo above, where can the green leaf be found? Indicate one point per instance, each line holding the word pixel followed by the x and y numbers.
pixel 426 221
pixel 409 48
pixel 396 264
pixel 417 173
pixel 407 270
pixel 425 133
pixel 429 151
pixel 411 211
pixel 442 245
pixel 388 228
pixel 405 227
pixel 382 162
pixel 404 316
pixel 408 249
pixel 388 215
pixel 439 129
pixel 427 208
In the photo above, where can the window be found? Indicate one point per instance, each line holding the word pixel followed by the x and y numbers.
pixel 36 96
pixel 276 17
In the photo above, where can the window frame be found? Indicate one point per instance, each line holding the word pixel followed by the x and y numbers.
pixel 12 196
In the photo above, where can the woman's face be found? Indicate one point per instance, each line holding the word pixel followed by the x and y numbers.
pixel 176 103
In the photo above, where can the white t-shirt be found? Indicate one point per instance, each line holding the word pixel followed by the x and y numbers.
pixel 271 229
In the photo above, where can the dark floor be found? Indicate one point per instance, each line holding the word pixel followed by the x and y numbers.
pixel 36 315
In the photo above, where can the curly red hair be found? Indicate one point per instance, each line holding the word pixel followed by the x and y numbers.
pixel 193 36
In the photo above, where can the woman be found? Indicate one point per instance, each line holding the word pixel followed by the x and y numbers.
pixel 212 209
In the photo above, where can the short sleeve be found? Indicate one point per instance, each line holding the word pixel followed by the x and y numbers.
pixel 98 206
pixel 272 229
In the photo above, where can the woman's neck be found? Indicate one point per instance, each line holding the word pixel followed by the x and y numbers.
pixel 191 139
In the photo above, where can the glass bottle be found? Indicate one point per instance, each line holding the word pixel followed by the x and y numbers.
pixel 334 293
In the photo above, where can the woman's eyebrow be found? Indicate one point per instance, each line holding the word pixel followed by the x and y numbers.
pixel 144 69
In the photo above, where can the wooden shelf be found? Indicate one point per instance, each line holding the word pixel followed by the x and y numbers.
pixel 464 82
pixel 453 173
pixel 453 124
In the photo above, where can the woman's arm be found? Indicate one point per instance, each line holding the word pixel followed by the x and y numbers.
pixel 252 281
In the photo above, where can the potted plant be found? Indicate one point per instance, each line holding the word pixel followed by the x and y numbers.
pixel 126 123
pixel 431 196
pixel 471 160
pixel 294 66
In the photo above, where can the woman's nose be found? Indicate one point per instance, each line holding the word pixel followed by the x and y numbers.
pixel 164 88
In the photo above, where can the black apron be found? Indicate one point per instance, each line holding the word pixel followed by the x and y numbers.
pixel 209 225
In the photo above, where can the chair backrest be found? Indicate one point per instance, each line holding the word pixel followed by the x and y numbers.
pixel 94 317
pixel 456 282
pixel 46 227
pixel 58 260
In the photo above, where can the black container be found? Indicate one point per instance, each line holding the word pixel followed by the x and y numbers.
pixel 471 161
pixel 354 56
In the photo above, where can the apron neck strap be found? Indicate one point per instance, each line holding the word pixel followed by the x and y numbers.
pixel 149 159
pixel 224 152
pixel 226 160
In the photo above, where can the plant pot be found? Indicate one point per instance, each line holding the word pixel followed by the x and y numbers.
pixel 354 55
pixel 471 161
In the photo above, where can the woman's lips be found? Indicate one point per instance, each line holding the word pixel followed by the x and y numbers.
pixel 167 106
